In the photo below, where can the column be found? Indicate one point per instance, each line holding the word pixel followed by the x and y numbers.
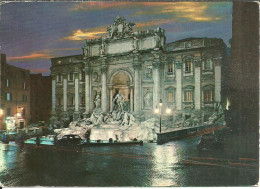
pixel 156 84
pixel 197 77
pixel 131 99
pixel 217 63
pixel 53 99
pixel 65 91
pixel 87 91
pixel 137 87
pixel 76 75
pixel 179 85
pixel 110 98
pixel 103 70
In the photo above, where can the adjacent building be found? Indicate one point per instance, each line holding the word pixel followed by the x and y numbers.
pixel 187 76
pixel 40 103
pixel 15 93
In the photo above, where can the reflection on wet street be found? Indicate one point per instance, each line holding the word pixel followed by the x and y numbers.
pixel 177 163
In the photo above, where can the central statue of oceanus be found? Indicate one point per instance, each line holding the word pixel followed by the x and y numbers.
pixel 119 101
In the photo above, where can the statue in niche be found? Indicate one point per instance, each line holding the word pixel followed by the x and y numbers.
pixel 119 102
pixel 97 101
pixel 102 48
pixel 148 97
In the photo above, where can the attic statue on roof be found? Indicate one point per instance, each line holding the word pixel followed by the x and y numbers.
pixel 120 28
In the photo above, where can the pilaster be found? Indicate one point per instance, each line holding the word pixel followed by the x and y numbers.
pixel 103 70
pixel 53 99
pixel 76 76
pixel 197 77
pixel 137 83
pixel 87 90
pixel 65 91
pixel 179 84
pixel 217 63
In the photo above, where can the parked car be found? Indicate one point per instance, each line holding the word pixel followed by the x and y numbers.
pixel 70 140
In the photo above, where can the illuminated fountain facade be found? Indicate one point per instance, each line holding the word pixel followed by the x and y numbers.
pixel 189 76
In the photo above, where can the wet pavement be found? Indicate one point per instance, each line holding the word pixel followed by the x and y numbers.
pixel 177 163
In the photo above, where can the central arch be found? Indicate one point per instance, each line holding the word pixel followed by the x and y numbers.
pixel 121 80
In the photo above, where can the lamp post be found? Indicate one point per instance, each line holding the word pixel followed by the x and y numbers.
pixel 158 110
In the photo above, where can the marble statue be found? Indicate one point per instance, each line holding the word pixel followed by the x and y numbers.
pixel 157 40
pixel 112 30
pixel 148 97
pixel 119 102
pixel 102 48
pixel 135 44
pixel 99 120
pixel 85 52
pixel 131 120
pixel 120 28
pixel 97 101
pixel 125 119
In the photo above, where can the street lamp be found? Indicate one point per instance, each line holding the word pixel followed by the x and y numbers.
pixel 158 110
pixel 1 112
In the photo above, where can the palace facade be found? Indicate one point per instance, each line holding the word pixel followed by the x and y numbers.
pixel 189 76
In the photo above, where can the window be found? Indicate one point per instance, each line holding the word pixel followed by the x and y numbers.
pixel 24 98
pixel 59 78
pixel 208 95
pixel 8 97
pixel 188 96
pixel 207 64
pixel 7 83
pixel 83 100
pixel 170 97
pixel 82 75
pixel 59 101
pixel 170 68
pixel 71 101
pixel 71 76
pixel 188 66
pixel 23 113
pixel 23 74
pixel 8 111
pixel 188 45
pixel 24 85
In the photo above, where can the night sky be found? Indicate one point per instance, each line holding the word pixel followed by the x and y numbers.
pixel 32 33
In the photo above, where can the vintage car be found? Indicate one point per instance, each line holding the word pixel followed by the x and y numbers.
pixel 70 140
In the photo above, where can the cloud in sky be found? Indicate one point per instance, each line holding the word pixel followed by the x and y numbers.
pixel 68 24
pixel 97 5
pixel 32 56
pixel 40 55
pixel 88 33
pixel 178 11
pixel 96 32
